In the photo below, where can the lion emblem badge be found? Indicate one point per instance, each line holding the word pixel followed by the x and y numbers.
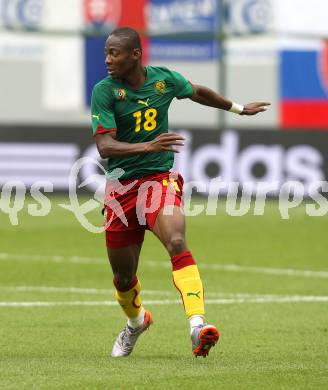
pixel 160 87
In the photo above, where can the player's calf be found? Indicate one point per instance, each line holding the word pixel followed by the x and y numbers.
pixel 187 280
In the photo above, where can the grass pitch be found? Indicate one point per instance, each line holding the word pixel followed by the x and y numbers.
pixel 272 312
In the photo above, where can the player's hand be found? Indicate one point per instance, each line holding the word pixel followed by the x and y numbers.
pixel 165 142
pixel 255 108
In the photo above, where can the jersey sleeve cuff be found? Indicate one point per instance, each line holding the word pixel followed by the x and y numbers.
pixel 102 130
pixel 185 92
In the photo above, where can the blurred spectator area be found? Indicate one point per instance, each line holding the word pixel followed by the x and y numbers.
pixel 51 55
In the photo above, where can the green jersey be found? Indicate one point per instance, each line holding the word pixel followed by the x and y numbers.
pixel 138 116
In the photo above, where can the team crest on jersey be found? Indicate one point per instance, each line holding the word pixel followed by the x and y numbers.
pixel 160 86
pixel 121 94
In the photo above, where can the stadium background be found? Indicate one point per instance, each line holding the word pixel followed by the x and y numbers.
pixel 51 55
pixel 265 277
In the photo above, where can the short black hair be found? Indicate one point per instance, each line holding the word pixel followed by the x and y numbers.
pixel 130 35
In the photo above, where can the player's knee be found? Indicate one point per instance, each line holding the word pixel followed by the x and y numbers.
pixel 176 245
pixel 123 281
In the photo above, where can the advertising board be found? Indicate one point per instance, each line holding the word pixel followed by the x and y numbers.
pixel 30 154
pixel 177 19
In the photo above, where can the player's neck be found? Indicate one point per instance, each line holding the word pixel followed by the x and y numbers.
pixel 137 77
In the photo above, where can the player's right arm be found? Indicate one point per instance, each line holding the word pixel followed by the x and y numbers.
pixel 104 130
pixel 108 147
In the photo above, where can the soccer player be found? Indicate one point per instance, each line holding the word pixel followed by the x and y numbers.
pixel 130 124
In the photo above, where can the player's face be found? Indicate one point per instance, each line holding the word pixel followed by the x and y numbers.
pixel 119 57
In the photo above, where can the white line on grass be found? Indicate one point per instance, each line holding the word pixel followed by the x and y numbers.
pixel 53 258
pixel 256 270
pixel 102 291
pixel 166 264
pixel 74 290
pixel 258 299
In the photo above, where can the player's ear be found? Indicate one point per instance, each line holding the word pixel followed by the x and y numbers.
pixel 136 54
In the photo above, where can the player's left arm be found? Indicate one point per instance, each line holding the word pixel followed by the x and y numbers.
pixel 208 97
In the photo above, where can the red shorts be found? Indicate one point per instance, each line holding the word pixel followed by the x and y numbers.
pixel 132 206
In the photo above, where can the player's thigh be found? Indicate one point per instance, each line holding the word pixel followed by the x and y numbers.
pixel 124 260
pixel 170 225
